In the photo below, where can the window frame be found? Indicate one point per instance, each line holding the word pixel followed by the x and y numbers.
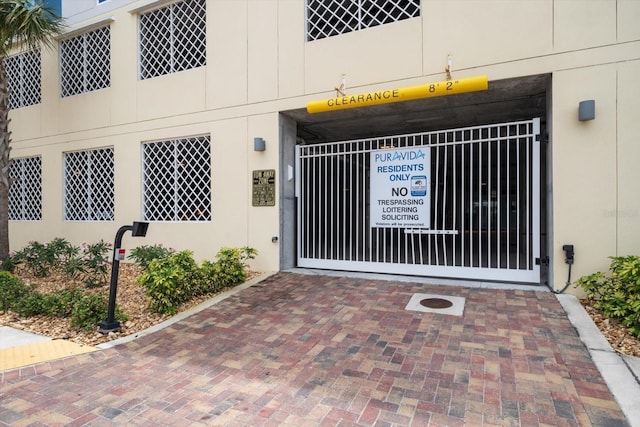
pixel 73 205
pixel 156 61
pixel 174 155
pixel 346 16
pixel 93 78
pixel 26 191
pixel 24 86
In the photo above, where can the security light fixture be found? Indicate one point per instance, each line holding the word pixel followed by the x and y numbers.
pixel 587 110
pixel 259 144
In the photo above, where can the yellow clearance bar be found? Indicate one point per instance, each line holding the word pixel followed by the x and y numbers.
pixel 447 87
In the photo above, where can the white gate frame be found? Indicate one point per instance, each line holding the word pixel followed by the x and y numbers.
pixel 334 233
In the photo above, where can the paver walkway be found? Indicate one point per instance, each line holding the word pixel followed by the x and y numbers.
pixel 304 350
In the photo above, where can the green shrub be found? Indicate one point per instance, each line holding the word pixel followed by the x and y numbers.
pixel 40 259
pixel 177 278
pixel 32 304
pixel 169 282
pixel 60 304
pixel 143 255
pixel 207 282
pixel 95 263
pixel 229 268
pixel 7 264
pixel 12 290
pixel 91 309
pixel 60 251
pixel 57 304
pixel 35 258
pixel 617 295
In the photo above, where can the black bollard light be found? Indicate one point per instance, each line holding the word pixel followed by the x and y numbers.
pixel 138 229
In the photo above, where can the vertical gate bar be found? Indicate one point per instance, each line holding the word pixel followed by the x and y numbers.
pixel 444 197
pixel 367 229
pixel 437 198
pixel 329 232
pixel 355 200
pixel 323 197
pixel 298 193
pixel 338 225
pixel 329 184
pixel 518 196
pixel 349 194
pixel 536 194
pixel 499 248
pixel 307 219
pixel 321 201
pixel 480 199
pixel 302 232
pixel 463 230
pixel 402 237
pixel 416 140
pixel 489 200
pixel 528 191
pixel 356 218
pixel 332 203
pixel 373 232
pixel 338 232
pixel 420 236
pixel 315 204
pixel 307 200
pixel 395 235
pixel 508 178
pixel 309 197
pixel 471 184
pixel 350 201
pixel 384 246
pixel 454 225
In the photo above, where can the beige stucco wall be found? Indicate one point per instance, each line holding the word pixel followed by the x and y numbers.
pixel 627 211
pixel 259 64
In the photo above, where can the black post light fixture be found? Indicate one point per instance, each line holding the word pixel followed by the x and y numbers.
pixel 138 229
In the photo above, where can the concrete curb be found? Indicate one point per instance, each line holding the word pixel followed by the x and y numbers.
pixel 616 372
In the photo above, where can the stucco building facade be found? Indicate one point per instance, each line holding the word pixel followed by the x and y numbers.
pixel 193 116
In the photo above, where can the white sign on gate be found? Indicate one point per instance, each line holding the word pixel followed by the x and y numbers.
pixel 400 188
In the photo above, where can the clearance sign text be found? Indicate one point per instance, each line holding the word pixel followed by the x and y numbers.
pixel 448 87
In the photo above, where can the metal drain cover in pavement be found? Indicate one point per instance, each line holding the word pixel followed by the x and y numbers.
pixel 436 303
pixel 443 304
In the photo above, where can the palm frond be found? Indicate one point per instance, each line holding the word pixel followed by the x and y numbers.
pixel 27 24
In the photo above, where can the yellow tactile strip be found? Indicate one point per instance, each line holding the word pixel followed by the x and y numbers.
pixel 29 354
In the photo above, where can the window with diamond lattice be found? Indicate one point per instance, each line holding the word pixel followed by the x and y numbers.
pixel 173 38
pixel 25 193
pixel 85 62
pixel 326 18
pixel 177 179
pixel 23 76
pixel 88 185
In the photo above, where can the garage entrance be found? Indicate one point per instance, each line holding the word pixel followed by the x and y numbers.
pixel 490 185
pixel 485 206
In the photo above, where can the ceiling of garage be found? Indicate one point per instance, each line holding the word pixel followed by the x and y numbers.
pixel 504 101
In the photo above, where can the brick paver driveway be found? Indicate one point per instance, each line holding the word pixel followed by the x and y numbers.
pixel 305 350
